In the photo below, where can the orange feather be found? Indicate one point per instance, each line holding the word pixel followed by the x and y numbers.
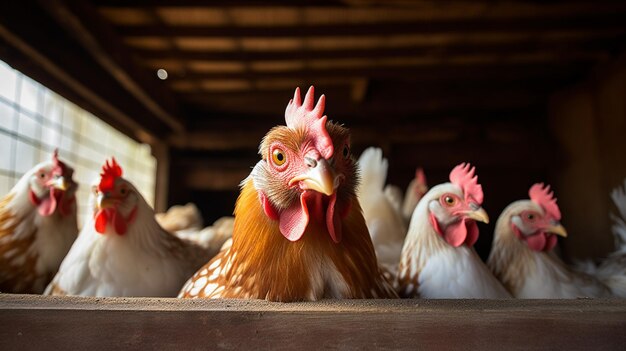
pixel 262 264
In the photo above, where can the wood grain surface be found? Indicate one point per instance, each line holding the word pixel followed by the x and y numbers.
pixel 35 322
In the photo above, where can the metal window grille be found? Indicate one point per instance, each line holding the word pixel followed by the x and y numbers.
pixel 34 121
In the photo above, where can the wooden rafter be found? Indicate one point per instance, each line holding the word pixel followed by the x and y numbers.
pixel 101 42
pixel 592 44
pixel 510 25
pixel 43 53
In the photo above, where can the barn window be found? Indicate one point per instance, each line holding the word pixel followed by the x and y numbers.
pixel 34 121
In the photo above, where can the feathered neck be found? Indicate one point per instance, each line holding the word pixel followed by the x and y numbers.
pixel 422 241
pixel 287 271
pixel 510 260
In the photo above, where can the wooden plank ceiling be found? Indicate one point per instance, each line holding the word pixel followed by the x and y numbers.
pixel 397 72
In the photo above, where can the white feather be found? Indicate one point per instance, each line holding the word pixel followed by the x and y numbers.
pixel 535 274
pixel 53 234
pixel 446 271
pixel 138 263
pixel 458 273
pixel 384 223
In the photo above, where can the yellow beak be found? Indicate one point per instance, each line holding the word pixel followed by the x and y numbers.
pixel 104 202
pixel 479 215
pixel 59 183
pixel 321 178
pixel 557 229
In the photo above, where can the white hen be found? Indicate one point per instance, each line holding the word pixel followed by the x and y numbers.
pixel 438 260
pixel 522 257
pixel 122 250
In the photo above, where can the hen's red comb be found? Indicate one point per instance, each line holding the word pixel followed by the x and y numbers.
pixel 303 114
pixel 110 171
pixel 463 176
pixel 420 176
pixel 58 167
pixel 542 196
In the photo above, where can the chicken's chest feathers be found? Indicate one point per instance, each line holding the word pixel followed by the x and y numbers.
pixel 32 246
pixel 114 265
pixel 54 237
pixel 458 273
pixel 550 278
pixel 262 263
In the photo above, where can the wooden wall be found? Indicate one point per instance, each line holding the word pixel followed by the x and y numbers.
pixel 589 122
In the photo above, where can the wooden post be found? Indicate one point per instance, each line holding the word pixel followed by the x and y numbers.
pixel 161 152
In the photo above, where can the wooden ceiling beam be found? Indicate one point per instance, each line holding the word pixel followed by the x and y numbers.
pixel 501 25
pixel 42 52
pixel 242 136
pixel 322 3
pixel 508 49
pixel 418 73
pixel 227 3
pixel 83 22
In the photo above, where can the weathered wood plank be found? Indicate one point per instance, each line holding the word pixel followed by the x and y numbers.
pixel 104 323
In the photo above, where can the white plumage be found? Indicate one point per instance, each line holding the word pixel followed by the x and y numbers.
pixel 384 223
pixel 612 270
pixel 143 261
pixel 532 273
pixel 33 241
pixel 431 268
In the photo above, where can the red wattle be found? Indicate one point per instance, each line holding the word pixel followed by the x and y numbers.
pixel 120 224
pixel 33 198
pixel 48 204
pixel 472 233
pixel 293 220
pixel 541 241
pixel 269 210
pixel 551 242
pixel 456 234
pixel 333 222
pixel 537 241
pixel 102 218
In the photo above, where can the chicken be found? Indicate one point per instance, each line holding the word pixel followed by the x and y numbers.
pixel 212 237
pixel 438 260
pixel 37 227
pixel 414 192
pixel 186 223
pixel 612 270
pixel 522 257
pixel 619 221
pixel 395 197
pixel 299 233
pixel 384 223
pixel 182 219
pixel 122 250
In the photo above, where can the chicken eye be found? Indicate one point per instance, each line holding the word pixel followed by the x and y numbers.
pixel 346 151
pixel 530 217
pixel 279 158
pixel 42 175
pixel 449 200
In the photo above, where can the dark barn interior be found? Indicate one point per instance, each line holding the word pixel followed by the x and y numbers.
pixel 527 91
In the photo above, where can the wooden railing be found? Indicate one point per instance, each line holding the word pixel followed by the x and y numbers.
pixel 54 323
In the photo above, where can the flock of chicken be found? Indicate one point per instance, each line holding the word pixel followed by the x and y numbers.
pixel 304 228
